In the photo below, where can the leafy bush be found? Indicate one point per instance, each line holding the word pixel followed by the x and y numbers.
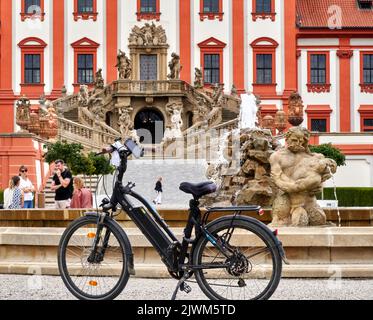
pixel 330 152
pixel 350 197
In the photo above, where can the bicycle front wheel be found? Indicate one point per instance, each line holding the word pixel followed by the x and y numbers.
pixel 89 271
pixel 251 270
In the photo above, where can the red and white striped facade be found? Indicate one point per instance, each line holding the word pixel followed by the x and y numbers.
pixel 237 33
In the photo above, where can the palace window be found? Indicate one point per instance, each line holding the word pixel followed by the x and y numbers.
pixel 85 68
pixel 319 118
pixel 318 125
pixel 318 68
pixel 148 10
pixel 264 68
pixel 263 9
pixel 368 125
pixel 85 58
pixel 365 4
pixel 32 9
pixel 318 72
pixel 211 9
pixel 85 9
pixel 366 71
pixel 32 68
pixel 212 60
pixel 366 118
pixel 264 64
pixel 85 6
pixel 148 6
pixel 212 68
pixel 368 68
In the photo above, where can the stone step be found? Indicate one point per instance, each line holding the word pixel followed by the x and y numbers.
pixel 312 252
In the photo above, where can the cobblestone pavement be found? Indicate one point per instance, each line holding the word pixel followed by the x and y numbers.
pixel 14 287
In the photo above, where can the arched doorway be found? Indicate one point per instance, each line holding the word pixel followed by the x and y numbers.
pixel 190 119
pixel 149 123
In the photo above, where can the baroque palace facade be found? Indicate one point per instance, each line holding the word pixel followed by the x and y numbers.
pixel 321 49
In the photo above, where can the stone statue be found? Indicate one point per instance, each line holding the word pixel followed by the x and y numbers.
pixel 299 175
pixel 124 66
pixel 125 122
pixel 97 110
pixel 218 95
pixel 175 110
pixel 175 67
pixel 202 108
pixel 148 35
pixel 52 116
pixel 23 112
pixel 64 91
pixel 243 170
pixel 99 80
pixel 198 82
pixel 295 113
pixel 83 97
pixel 234 92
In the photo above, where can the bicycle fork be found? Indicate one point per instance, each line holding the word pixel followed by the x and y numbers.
pixel 97 254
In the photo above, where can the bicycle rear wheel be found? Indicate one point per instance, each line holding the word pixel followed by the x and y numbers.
pixel 93 275
pixel 251 272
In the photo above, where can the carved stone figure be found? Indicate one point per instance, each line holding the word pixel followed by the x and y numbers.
pixel 99 80
pixel 124 66
pixel 244 179
pixel 234 92
pixel 218 95
pixel 198 82
pixel 299 175
pixel 23 112
pixel 295 113
pixel 148 35
pixel 202 108
pixel 175 110
pixel 175 67
pixel 83 97
pixel 124 121
pixel 97 109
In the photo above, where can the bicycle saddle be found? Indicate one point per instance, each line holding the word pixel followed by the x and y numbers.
pixel 198 190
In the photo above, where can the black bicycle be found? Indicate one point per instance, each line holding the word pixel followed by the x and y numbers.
pixel 234 257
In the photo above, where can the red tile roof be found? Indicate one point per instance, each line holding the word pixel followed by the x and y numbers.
pixel 314 14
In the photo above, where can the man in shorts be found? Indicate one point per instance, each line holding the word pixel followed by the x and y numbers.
pixel 63 185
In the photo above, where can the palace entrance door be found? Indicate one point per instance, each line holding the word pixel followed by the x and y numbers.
pixel 149 124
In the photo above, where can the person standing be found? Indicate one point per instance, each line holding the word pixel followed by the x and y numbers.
pixel 159 190
pixel 8 195
pixel 63 185
pixel 17 197
pixel 27 187
pixel 82 197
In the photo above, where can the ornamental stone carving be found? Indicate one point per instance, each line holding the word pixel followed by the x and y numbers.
pixel 175 67
pixel 124 66
pixel 148 35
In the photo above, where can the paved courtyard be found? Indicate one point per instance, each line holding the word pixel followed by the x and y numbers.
pixel 52 288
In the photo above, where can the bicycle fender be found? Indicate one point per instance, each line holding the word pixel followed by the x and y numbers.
pixel 258 224
pixel 129 253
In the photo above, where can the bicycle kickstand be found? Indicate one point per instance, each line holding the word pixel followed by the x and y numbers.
pixel 182 286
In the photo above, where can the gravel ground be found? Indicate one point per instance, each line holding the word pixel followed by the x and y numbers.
pixel 14 287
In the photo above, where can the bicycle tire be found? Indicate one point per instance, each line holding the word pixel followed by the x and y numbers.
pixel 260 232
pixel 66 277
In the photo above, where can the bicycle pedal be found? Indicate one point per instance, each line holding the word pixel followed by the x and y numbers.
pixel 186 288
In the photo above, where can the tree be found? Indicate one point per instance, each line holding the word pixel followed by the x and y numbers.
pixel 70 153
pixel 330 152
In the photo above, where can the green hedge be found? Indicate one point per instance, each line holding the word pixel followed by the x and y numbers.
pixel 1 196
pixel 350 197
